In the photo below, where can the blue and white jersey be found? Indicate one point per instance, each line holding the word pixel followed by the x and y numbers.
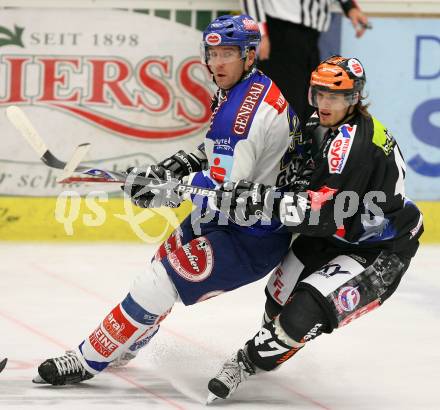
pixel 252 136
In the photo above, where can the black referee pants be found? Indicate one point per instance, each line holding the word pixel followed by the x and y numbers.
pixel 294 55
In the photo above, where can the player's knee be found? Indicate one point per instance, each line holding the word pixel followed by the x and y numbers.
pixel 303 318
pixel 153 290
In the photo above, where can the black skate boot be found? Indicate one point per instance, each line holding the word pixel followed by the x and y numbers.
pixel 234 371
pixel 62 370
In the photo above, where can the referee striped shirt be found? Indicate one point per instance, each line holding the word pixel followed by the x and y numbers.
pixel 310 13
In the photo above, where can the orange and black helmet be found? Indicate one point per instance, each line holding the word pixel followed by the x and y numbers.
pixel 340 75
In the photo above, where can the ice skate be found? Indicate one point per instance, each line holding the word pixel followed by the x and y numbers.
pixel 234 371
pixel 66 369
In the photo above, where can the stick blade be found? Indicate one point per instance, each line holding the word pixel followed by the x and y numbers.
pixel 21 122
pixel 71 166
pixel 74 180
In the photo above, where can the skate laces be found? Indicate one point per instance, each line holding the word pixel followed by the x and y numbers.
pixel 69 363
pixel 236 370
pixel 231 372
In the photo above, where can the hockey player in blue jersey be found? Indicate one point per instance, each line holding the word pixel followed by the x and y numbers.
pixel 254 135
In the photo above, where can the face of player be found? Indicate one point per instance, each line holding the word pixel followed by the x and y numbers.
pixel 332 108
pixel 227 66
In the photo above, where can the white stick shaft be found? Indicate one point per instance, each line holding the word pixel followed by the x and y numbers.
pixel 77 157
pixel 21 122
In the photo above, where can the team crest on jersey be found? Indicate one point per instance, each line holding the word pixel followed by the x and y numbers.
pixel 340 149
pixel 193 261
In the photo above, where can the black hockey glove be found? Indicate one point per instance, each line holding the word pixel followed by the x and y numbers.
pixel 170 169
pixel 159 193
pixel 248 201
pixel 301 181
pixel 182 164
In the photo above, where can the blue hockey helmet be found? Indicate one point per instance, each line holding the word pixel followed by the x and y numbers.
pixel 241 31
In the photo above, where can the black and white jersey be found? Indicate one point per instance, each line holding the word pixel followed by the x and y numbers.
pixel 310 13
pixel 356 196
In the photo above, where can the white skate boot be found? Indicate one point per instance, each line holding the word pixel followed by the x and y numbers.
pixel 234 371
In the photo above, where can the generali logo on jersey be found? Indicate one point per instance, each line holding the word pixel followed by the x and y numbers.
pixel 116 73
pixel 340 149
pixel 247 107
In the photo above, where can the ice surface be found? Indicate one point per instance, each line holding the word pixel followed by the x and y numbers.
pixel 53 295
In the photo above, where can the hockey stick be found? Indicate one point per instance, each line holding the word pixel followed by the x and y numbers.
pixel 21 122
pixel 3 364
pixel 72 164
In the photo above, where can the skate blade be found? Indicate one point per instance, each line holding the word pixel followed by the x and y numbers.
pixel 39 380
pixel 211 397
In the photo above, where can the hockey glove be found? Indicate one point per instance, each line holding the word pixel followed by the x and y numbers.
pixel 175 167
pixel 247 201
pixel 159 193
pixel 301 181
pixel 181 164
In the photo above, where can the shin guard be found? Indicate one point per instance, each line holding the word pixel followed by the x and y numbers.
pixel 132 323
pixel 271 346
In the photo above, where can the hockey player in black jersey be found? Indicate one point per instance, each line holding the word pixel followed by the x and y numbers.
pixel 357 232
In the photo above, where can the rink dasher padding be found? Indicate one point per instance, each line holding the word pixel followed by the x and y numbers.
pixel 431 220
pixel 38 219
pixel 114 219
